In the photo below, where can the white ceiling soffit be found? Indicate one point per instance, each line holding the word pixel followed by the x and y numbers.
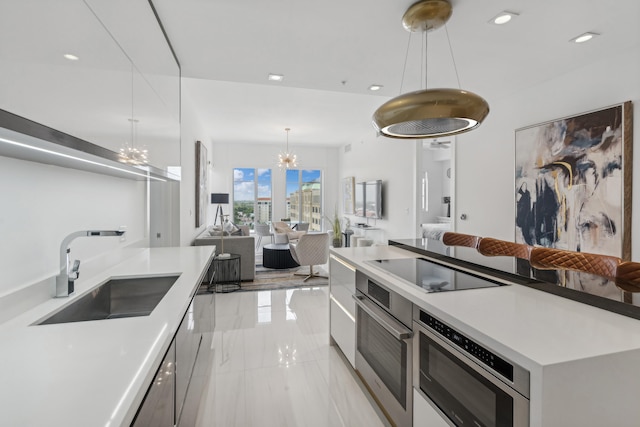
pixel 330 52
pixel 250 113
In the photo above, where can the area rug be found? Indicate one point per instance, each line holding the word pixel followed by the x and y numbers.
pixel 269 279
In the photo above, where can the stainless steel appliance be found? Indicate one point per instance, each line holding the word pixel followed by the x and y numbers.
pixel 384 347
pixel 430 276
pixel 467 383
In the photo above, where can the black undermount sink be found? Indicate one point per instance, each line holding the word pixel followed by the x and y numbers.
pixel 117 298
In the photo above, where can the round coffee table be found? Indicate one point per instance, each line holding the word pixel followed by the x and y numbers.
pixel 278 256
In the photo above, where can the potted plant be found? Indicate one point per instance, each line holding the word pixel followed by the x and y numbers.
pixel 336 227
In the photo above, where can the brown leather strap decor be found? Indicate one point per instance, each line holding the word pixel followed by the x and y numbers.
pixel 458 239
pixel 625 273
pixel 628 276
pixel 495 247
pixel 553 259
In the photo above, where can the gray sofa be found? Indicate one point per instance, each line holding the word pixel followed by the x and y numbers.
pixel 242 245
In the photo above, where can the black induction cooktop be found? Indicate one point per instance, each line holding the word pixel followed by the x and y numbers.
pixel 431 276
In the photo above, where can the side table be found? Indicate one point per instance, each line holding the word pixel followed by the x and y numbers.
pixel 226 276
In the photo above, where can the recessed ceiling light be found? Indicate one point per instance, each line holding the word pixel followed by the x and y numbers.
pixel 584 37
pixel 375 87
pixel 276 77
pixel 71 57
pixel 503 17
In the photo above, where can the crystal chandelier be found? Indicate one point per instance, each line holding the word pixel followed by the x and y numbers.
pixel 287 160
pixel 131 155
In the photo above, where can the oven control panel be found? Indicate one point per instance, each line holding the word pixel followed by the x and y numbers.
pixel 481 354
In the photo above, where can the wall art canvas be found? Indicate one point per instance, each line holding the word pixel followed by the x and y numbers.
pixel 201 184
pixel 348 195
pixel 573 182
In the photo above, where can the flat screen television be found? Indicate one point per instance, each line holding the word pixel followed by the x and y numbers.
pixel 369 199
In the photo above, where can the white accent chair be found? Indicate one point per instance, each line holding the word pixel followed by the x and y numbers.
pixel 302 226
pixel 284 234
pixel 262 230
pixel 311 249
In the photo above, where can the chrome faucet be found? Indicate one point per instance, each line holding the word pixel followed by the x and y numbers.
pixel 65 281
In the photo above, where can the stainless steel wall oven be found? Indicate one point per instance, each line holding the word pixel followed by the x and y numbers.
pixel 384 347
pixel 467 383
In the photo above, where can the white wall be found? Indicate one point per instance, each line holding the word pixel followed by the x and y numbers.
pixel 485 157
pixel 394 162
pixel 226 157
pixel 42 204
pixel 191 131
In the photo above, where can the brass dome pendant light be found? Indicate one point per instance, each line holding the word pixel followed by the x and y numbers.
pixel 429 113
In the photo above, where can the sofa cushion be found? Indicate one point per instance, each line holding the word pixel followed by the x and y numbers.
pixel 234 231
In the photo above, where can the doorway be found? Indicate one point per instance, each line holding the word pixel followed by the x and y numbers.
pixel 435 183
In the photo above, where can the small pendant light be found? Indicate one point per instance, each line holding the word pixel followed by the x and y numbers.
pixel 287 160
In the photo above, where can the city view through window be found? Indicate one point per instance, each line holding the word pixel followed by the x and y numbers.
pixel 252 197
pixel 304 197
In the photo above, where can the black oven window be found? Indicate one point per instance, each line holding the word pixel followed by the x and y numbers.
pixel 385 355
pixel 460 392
pixel 479 400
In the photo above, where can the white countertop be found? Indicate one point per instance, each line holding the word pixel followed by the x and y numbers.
pixel 531 327
pixel 94 373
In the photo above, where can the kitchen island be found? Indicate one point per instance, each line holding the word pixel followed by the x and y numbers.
pixel 95 373
pixel 581 358
pixel 583 287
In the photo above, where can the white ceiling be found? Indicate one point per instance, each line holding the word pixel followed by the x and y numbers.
pixel 331 51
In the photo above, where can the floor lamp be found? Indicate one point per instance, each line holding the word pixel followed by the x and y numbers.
pixel 220 199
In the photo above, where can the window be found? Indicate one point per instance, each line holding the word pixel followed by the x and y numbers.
pixel 304 197
pixel 251 196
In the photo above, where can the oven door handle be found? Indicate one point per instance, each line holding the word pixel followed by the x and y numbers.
pixel 392 326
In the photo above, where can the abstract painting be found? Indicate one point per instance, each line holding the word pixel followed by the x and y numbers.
pixel 573 182
pixel 201 184
pixel 348 195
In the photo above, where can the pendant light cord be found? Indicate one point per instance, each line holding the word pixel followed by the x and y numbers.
pixel 406 56
pixel 132 123
pixel 287 129
pixel 452 57
pixel 426 60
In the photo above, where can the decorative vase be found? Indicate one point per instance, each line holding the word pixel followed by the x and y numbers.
pixel 337 242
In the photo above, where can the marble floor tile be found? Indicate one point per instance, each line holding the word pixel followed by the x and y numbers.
pixel 228 351
pixel 226 405
pixel 350 401
pixel 273 365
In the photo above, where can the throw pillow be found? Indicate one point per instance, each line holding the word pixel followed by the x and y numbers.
pixel 231 229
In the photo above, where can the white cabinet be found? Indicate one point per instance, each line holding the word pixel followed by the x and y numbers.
pixel 342 286
pixel 343 332
pixel 425 415
pixel 172 393
pixel 187 344
pixel 158 407
pixel 122 87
